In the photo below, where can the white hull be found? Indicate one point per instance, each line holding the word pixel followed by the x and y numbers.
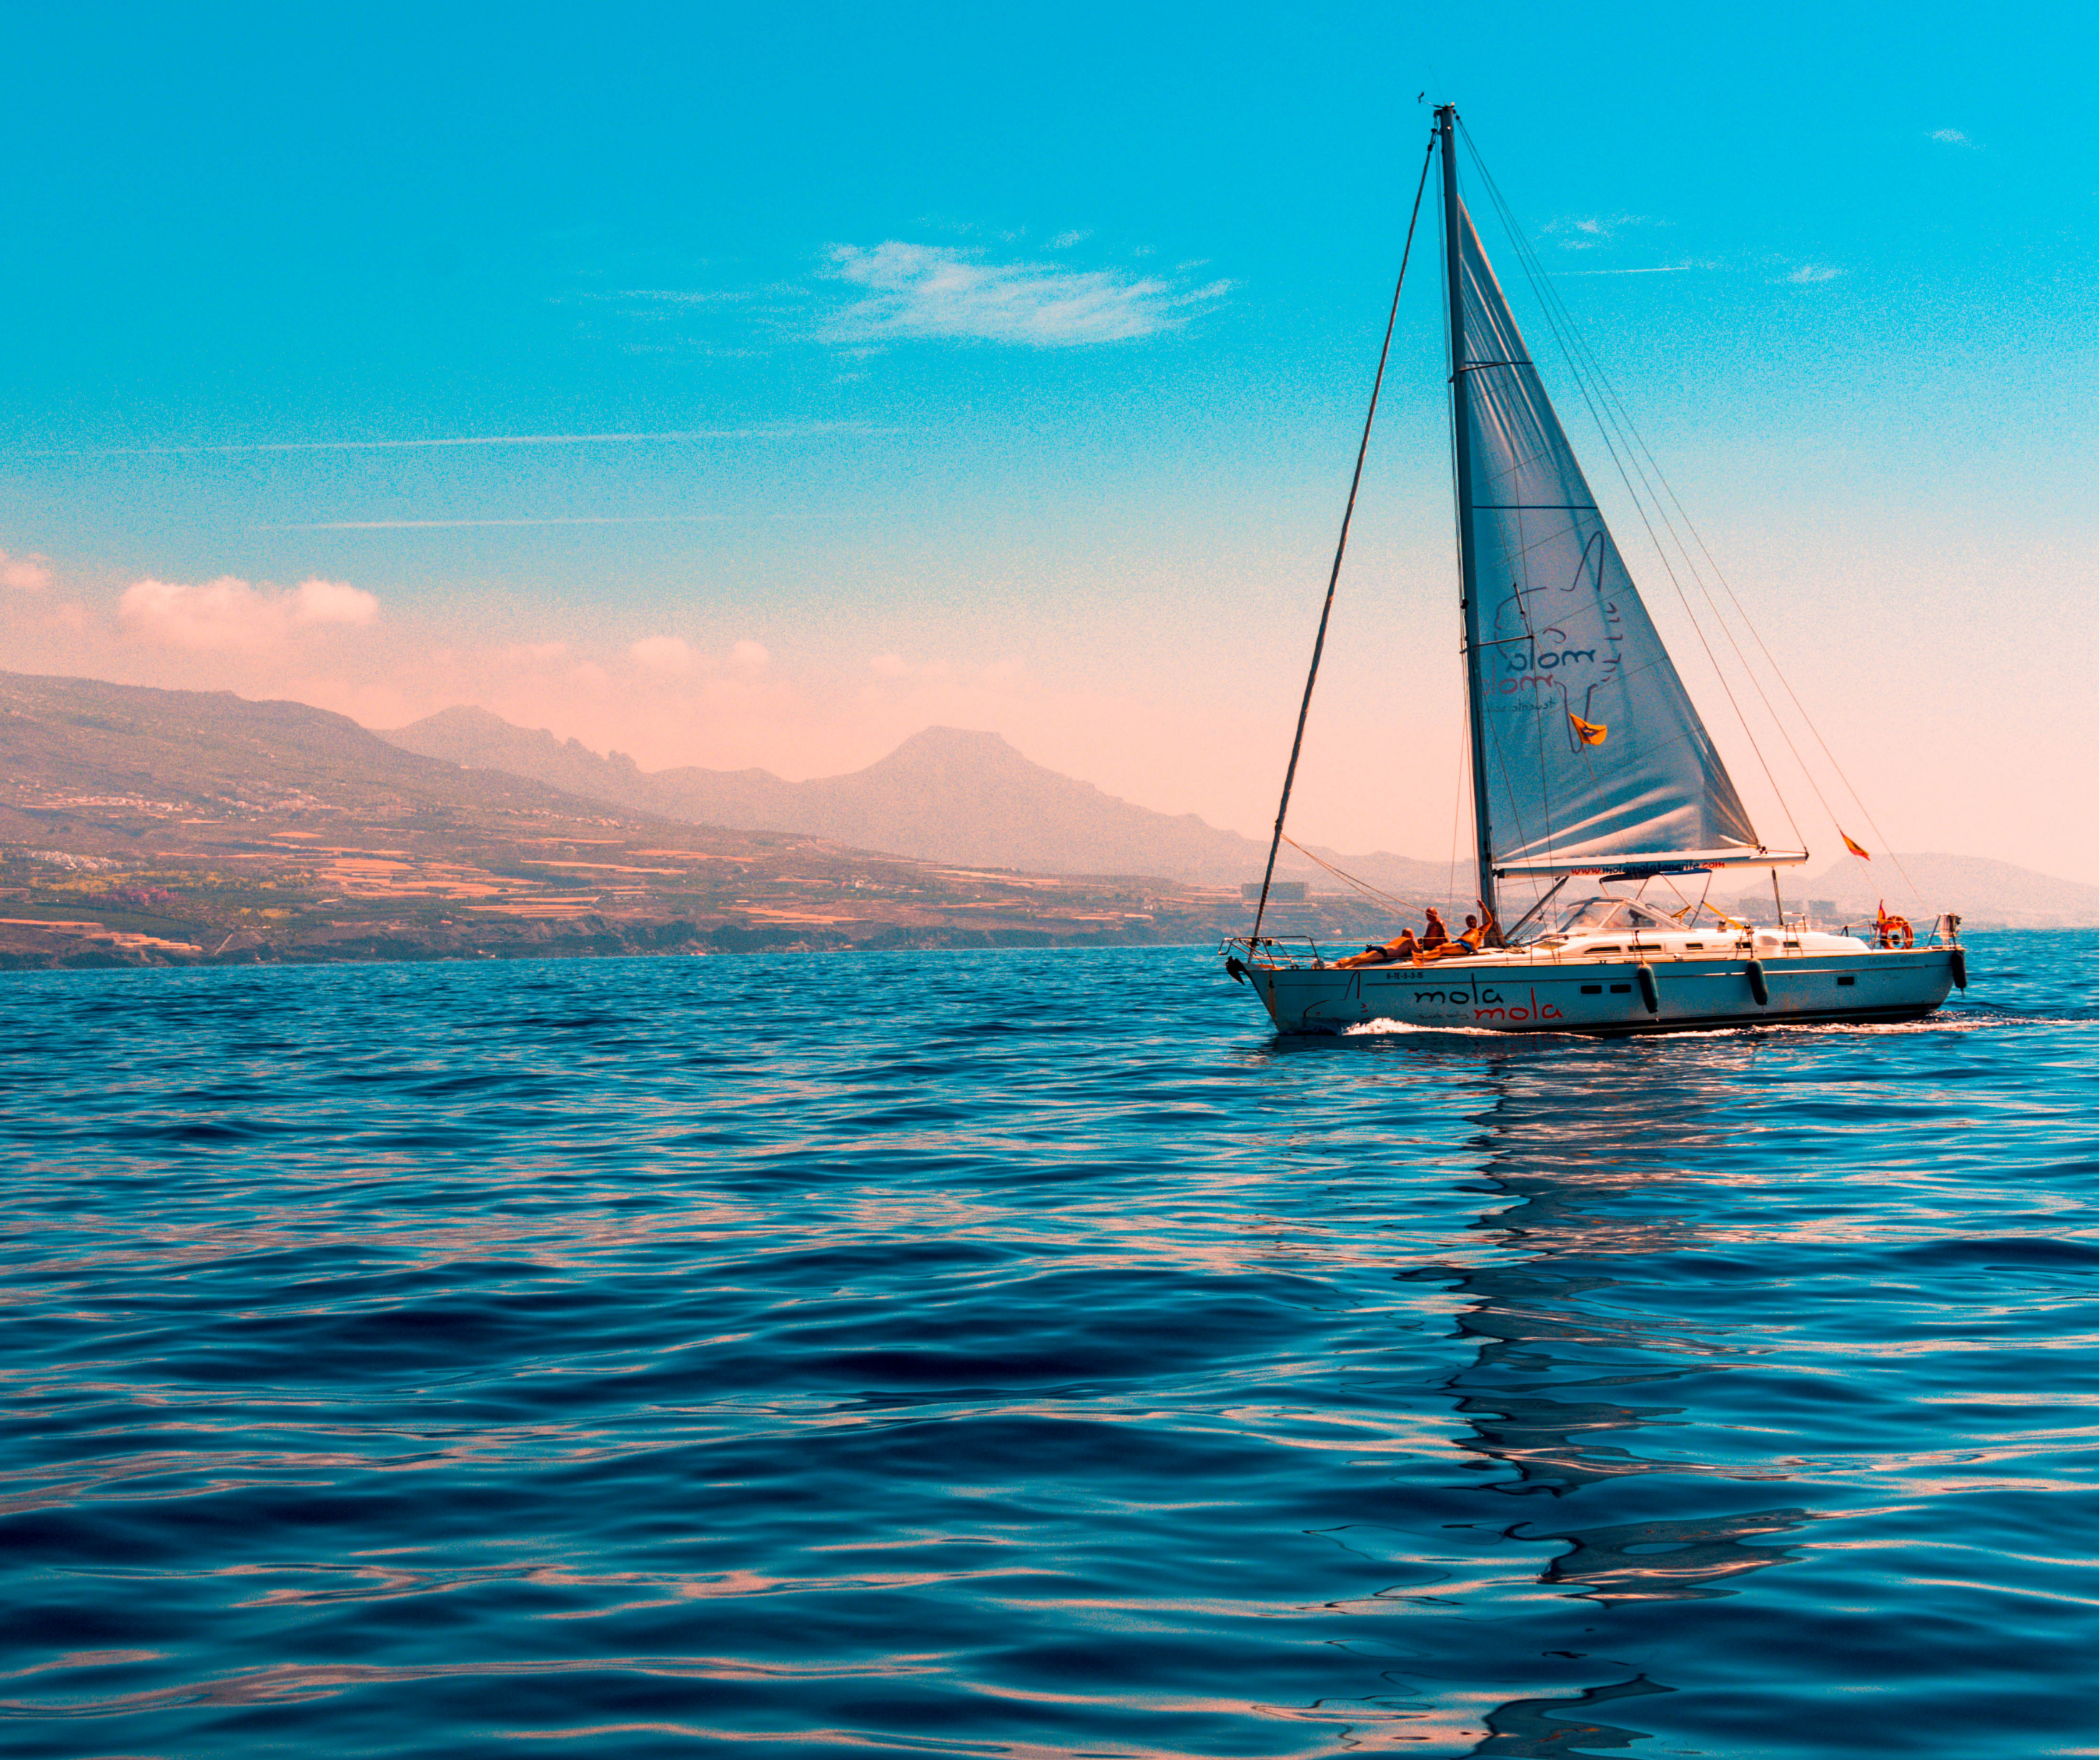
pixel 1508 992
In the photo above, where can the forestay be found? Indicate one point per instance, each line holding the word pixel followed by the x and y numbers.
pixel 1594 753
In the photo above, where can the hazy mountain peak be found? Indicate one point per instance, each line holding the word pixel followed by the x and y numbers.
pixel 957 753
pixel 957 739
pixel 966 795
pixel 476 739
pixel 946 794
pixel 469 716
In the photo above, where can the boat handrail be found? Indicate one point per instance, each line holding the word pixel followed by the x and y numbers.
pixel 1271 947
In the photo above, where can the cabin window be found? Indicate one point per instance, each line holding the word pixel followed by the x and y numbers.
pixel 1592 913
pixel 1609 947
pixel 1623 989
pixel 1592 989
pixel 1848 978
pixel 1691 946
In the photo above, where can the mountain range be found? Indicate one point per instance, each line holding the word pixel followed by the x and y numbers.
pixel 945 795
pixel 953 795
pixel 89 740
pixel 141 826
pixel 181 818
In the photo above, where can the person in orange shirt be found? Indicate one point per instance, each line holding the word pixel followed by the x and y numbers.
pixel 1469 942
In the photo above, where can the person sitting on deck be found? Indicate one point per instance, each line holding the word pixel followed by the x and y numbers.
pixel 1403 946
pixel 1468 942
pixel 1434 934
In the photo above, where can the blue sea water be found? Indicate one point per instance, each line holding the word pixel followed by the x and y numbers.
pixel 1028 1353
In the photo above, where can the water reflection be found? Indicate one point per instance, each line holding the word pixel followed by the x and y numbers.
pixel 1565 1380
pixel 1579 1379
pixel 1668 1560
pixel 1524 1730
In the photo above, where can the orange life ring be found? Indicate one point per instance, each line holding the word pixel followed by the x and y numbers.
pixel 1895 932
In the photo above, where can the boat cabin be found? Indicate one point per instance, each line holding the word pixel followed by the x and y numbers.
pixel 1602 912
pixel 1608 926
pixel 1603 926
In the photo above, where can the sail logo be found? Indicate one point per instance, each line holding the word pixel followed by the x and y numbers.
pixel 1545 659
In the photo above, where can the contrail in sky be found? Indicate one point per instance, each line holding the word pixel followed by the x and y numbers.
pixel 429 525
pixel 791 432
pixel 1675 268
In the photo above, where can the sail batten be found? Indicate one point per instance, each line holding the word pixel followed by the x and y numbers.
pixel 1590 750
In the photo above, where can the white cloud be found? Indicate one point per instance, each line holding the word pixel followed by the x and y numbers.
pixel 777 431
pixel 1808 273
pixel 669 654
pixel 30 573
pixel 320 601
pixel 229 614
pixel 940 292
pixel 447 525
pixel 1951 137
pixel 1588 231
pixel 688 297
pixel 894 669
pixel 1067 241
pixel 674 657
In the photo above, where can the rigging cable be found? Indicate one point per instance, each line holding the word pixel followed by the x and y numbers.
pixel 1573 341
pixel 1343 873
pixel 1786 685
pixel 1653 478
pixel 1535 273
pixel 1341 544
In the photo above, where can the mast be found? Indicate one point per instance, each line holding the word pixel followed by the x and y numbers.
pixel 1462 464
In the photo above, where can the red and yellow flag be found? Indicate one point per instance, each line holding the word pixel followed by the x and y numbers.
pixel 1854 847
pixel 1591 734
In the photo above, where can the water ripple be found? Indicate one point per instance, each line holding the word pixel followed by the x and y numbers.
pixel 1023 1354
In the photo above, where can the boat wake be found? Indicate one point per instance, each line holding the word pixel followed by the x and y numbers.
pixel 1975 1018
pixel 1384 1028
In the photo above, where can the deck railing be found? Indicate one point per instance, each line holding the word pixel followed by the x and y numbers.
pixel 1295 951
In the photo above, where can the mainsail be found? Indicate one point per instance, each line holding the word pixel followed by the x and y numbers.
pixel 1592 753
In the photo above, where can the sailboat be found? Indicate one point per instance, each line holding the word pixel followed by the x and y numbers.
pixel 1590 765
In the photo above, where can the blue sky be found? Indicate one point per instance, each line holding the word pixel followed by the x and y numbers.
pixel 1014 363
